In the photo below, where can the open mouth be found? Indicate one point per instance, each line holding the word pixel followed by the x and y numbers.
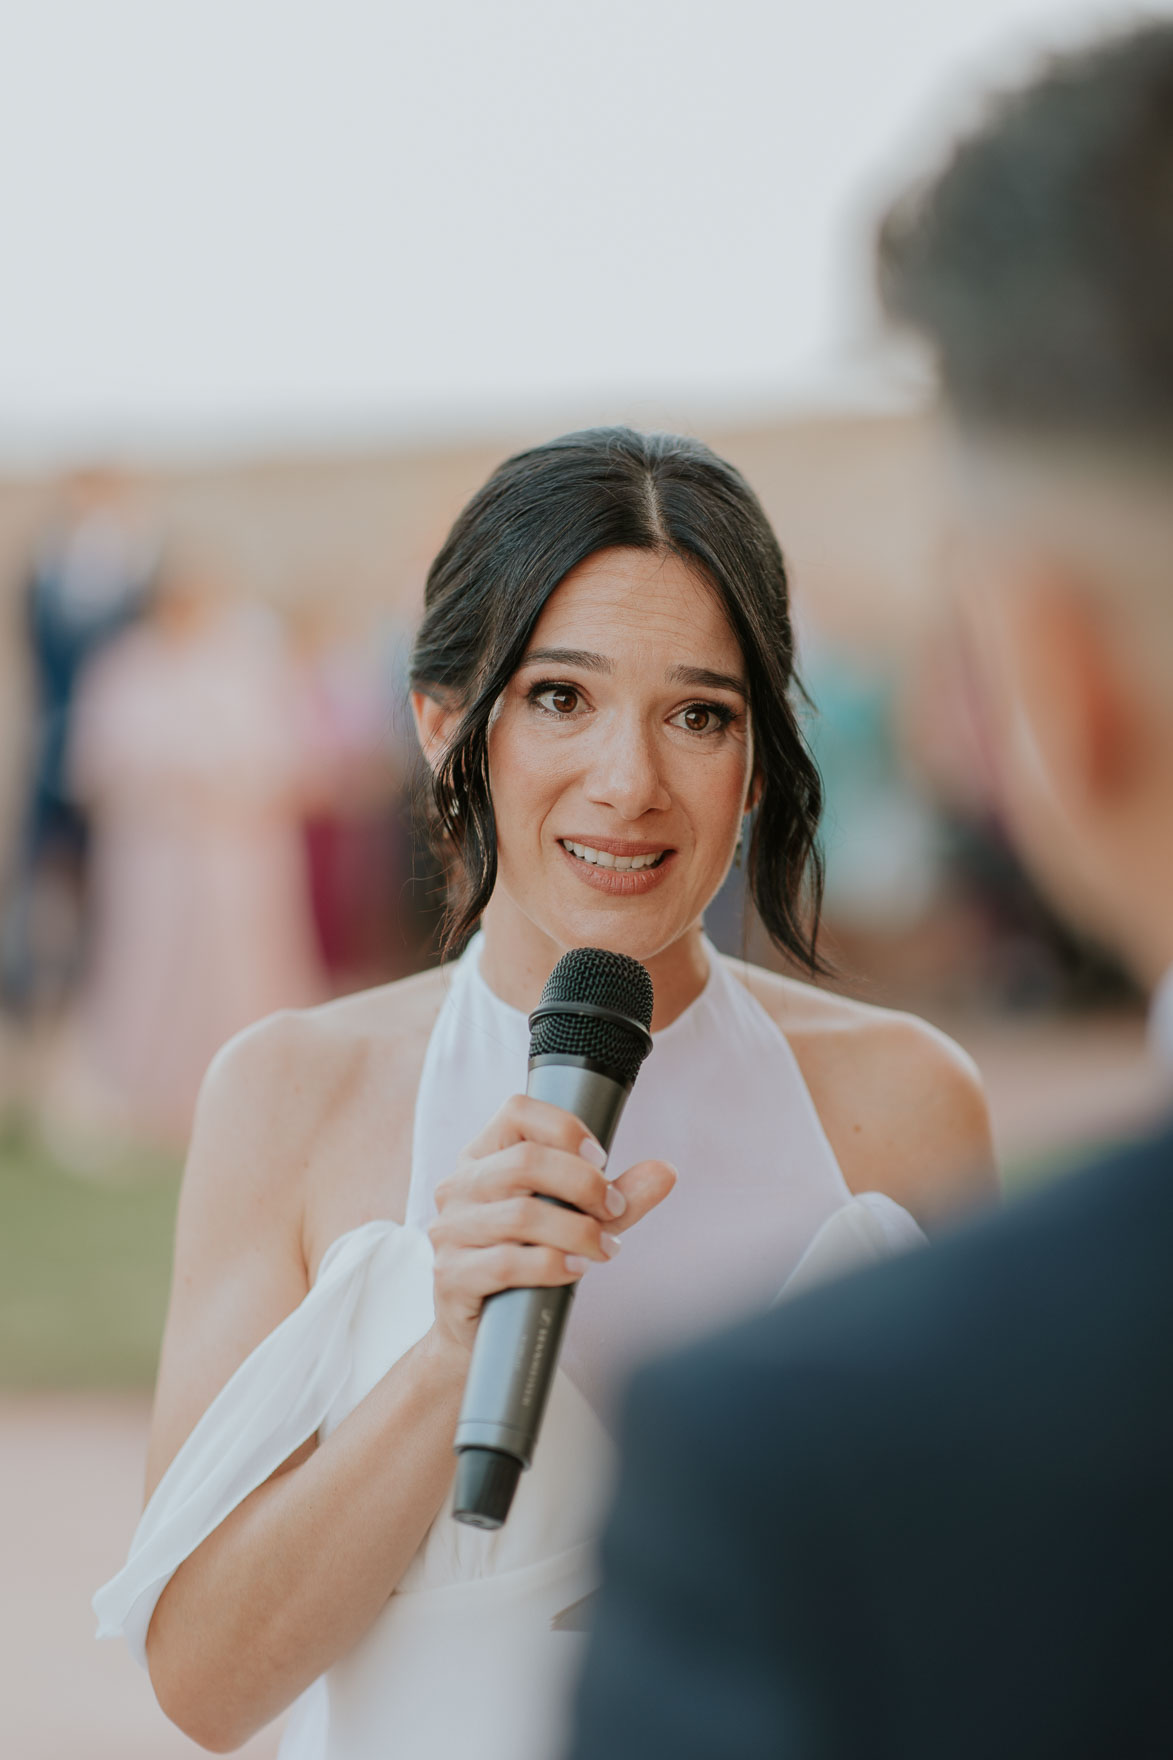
pixel 603 858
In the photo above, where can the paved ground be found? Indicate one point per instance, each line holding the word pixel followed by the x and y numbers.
pixel 71 1471
pixel 71 1467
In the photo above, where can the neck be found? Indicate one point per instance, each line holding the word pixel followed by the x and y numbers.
pixel 518 957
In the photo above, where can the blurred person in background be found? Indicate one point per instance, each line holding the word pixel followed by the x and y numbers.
pixel 353 855
pixel 927 1512
pixel 91 577
pixel 603 684
pixel 882 850
pixel 190 755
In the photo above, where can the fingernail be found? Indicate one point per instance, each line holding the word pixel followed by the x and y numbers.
pixel 616 1202
pixel 576 1264
pixel 611 1245
pixel 594 1153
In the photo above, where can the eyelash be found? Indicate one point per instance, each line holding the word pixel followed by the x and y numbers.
pixel 721 712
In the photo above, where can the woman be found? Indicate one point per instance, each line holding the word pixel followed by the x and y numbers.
pixel 602 688
pixel 192 759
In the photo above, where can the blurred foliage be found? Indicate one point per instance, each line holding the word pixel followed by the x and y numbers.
pixel 85 1265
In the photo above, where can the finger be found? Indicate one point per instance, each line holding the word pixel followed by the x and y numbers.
pixel 525 1120
pixel 531 1222
pixel 531 1167
pixel 644 1186
pixel 512 1266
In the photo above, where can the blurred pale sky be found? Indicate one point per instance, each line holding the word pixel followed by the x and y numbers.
pixel 259 222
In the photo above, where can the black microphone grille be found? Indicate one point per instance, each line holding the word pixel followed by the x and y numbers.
pixel 586 980
pixel 609 980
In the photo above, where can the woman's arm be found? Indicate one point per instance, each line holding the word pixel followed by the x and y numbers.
pixel 299 1570
pixel 301 1567
pixel 296 1574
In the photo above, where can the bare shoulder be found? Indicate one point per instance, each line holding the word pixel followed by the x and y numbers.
pixel 902 1103
pixel 302 1131
pixel 326 1088
pixel 291 1071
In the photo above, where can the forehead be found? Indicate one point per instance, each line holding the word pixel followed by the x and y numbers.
pixel 617 600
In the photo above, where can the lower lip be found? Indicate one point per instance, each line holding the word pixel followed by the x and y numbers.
pixel 622 882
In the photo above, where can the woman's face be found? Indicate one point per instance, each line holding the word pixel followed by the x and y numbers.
pixel 621 758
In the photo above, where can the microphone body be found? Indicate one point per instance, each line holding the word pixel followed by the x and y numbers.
pixel 519 1335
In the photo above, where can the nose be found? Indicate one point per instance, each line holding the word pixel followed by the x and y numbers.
pixel 625 772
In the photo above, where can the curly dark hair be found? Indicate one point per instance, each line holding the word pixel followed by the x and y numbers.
pixel 1039 261
pixel 539 515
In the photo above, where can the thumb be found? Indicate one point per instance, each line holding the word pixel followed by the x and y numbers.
pixel 644 1186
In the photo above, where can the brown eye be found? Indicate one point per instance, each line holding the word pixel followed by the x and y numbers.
pixel 556 699
pixel 703 718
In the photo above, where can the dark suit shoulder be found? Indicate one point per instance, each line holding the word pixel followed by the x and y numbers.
pixel 922 1511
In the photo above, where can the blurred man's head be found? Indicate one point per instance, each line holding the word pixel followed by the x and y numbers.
pixel 1039 267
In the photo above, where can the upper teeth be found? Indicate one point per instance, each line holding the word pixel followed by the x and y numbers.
pixel 603 858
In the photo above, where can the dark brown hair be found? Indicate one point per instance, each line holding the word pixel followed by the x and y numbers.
pixel 1039 261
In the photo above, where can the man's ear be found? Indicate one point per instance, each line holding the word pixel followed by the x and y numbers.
pixel 435 724
pixel 1074 697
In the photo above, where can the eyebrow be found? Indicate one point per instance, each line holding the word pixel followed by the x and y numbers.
pixel 580 657
pixel 703 679
pixel 699 677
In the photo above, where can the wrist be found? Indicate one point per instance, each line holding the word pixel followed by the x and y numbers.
pixel 446 1357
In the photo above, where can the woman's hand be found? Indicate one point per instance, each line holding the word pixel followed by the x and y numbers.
pixel 494 1233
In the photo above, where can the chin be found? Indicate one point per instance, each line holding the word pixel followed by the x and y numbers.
pixel 624 928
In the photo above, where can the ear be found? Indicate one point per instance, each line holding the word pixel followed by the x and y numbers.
pixel 1075 703
pixel 435 724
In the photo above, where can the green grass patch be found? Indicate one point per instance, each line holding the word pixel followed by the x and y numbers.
pixel 85 1265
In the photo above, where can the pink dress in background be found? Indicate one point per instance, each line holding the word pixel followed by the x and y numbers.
pixel 191 755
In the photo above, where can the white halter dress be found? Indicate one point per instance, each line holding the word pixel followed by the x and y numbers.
pixel 470 1653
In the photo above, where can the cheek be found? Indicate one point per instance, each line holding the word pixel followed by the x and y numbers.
pixel 1021 785
pixel 1024 786
pixel 1047 843
pixel 716 792
pixel 526 776
pixel 1050 846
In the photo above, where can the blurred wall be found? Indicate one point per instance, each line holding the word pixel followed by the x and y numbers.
pixel 854 501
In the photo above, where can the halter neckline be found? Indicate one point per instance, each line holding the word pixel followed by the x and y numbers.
pixel 472 958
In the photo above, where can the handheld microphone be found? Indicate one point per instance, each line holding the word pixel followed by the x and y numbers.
pixel 588 1037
